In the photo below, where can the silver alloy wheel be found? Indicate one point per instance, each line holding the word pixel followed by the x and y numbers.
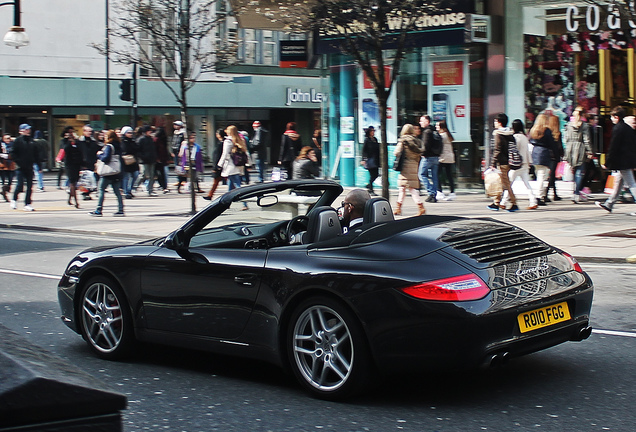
pixel 323 348
pixel 102 317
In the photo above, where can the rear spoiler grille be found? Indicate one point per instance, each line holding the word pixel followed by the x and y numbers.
pixel 495 243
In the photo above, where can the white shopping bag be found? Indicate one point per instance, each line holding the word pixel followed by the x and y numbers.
pixel 492 182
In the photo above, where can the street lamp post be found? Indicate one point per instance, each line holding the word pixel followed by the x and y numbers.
pixel 16 36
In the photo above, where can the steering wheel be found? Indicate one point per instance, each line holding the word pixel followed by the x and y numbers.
pixel 296 225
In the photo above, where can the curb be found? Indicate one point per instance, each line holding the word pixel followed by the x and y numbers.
pixel 74 231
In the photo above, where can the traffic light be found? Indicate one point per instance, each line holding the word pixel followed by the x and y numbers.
pixel 124 92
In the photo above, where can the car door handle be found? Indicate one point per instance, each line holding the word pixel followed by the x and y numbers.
pixel 245 279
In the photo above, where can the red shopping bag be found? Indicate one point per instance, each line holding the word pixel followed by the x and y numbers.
pixel 60 155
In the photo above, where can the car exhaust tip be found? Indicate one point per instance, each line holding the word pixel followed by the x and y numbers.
pixel 496 360
pixel 582 334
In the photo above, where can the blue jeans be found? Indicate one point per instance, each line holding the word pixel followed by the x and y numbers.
pixel 234 182
pixel 23 177
pixel 38 176
pixel 115 182
pixel 129 181
pixel 428 171
pixel 260 164
pixel 579 175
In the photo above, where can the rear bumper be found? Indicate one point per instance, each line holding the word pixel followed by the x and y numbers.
pixel 457 335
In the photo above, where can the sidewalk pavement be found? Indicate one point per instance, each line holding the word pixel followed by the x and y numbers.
pixel 588 233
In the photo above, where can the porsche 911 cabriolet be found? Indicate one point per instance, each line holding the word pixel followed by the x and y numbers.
pixel 281 282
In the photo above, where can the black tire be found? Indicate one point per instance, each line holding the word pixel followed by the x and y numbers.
pixel 327 349
pixel 105 320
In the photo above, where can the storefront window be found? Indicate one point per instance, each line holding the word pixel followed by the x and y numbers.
pixel 443 82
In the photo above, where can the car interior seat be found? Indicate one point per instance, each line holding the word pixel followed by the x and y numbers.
pixel 377 209
pixel 323 225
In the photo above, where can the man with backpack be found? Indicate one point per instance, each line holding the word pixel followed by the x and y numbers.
pixel 432 146
pixel 503 136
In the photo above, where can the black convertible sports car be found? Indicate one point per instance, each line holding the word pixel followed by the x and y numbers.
pixel 280 282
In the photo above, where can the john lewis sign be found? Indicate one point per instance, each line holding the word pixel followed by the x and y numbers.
pixel 301 96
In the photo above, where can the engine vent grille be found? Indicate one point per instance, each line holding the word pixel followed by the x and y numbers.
pixel 494 243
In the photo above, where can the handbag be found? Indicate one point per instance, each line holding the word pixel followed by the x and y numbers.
pixel 7 165
pixel 113 167
pixel 398 162
pixel 239 158
pixel 129 159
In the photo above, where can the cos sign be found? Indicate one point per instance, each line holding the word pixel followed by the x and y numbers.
pixel 594 18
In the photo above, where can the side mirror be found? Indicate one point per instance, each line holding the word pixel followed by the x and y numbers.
pixel 175 240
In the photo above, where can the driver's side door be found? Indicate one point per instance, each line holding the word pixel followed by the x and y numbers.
pixel 201 291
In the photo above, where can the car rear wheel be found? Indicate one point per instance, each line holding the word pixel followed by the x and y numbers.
pixel 328 351
pixel 106 322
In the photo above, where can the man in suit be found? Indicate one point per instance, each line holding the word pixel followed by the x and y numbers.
pixel 353 209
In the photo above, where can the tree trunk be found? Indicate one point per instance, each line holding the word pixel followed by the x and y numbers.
pixel 191 163
pixel 384 148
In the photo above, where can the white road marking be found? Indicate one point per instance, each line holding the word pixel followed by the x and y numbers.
pixel 55 277
pixel 608 265
pixel 30 274
pixel 615 333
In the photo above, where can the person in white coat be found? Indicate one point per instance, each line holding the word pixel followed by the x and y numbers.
pixel 523 173
pixel 233 142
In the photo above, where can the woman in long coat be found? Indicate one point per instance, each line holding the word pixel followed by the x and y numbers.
pixel 577 149
pixel 73 158
pixel 408 178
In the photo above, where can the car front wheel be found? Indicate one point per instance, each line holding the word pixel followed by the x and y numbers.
pixel 106 322
pixel 328 351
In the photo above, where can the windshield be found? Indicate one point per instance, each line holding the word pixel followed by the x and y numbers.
pixel 274 206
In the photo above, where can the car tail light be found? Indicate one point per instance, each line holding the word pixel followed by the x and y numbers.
pixel 458 288
pixel 575 264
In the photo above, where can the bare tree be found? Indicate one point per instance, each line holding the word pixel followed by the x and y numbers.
pixel 174 40
pixel 375 33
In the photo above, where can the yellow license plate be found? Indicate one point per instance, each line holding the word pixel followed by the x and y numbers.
pixel 544 317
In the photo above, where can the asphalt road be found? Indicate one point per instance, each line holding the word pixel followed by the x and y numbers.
pixel 586 386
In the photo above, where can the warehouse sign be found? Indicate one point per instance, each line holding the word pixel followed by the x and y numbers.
pixel 445 26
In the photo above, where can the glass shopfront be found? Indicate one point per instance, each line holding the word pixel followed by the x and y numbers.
pixel 446 83
pixel 578 55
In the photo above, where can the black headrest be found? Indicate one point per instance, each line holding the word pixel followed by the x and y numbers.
pixel 377 209
pixel 323 225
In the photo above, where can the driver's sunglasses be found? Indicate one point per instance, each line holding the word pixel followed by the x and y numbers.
pixel 344 203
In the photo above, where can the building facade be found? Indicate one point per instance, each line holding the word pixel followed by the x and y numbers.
pixel 60 80
pixel 531 56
